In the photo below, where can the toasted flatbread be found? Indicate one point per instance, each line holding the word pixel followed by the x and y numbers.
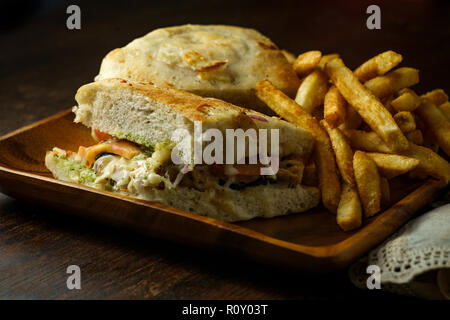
pixel 218 61
pixel 146 114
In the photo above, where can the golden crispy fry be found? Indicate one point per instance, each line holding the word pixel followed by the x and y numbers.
pixel 349 215
pixel 323 155
pixel 392 82
pixel 287 108
pixel 430 162
pixel 368 183
pixel 335 107
pixel 445 109
pixel 436 96
pixel 312 90
pixel 367 105
pixel 436 122
pixel 352 119
pixel 367 141
pixel 405 121
pixel 415 136
pixel 324 60
pixel 385 192
pixel 378 65
pixel 392 165
pixel 343 152
pixel 306 62
pixel 290 57
pixel 407 100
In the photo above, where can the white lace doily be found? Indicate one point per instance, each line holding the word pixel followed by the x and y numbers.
pixel 421 245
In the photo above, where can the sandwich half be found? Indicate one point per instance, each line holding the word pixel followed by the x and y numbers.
pixel 134 125
pixel 223 62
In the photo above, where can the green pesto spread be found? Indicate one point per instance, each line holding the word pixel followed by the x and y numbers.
pixel 135 139
pixel 75 171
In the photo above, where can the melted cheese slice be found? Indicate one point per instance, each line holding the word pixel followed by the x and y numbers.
pixel 124 149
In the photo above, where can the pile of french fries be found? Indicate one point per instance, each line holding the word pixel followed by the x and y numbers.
pixel 369 127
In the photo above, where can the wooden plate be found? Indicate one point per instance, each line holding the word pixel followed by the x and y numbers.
pixel 308 241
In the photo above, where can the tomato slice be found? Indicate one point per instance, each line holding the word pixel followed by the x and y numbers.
pixel 122 148
pixel 245 173
pixel 248 170
pixel 100 136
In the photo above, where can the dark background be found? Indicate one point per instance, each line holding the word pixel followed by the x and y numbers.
pixel 42 64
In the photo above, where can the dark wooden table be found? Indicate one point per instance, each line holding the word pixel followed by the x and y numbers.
pixel 42 65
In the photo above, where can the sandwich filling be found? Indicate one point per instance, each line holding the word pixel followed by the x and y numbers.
pixel 119 165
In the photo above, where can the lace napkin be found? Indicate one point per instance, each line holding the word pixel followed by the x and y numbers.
pixel 414 261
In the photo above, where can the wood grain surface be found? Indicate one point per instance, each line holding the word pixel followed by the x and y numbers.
pixel 42 65
pixel 310 241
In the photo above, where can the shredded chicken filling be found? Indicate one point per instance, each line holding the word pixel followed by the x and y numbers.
pixel 120 165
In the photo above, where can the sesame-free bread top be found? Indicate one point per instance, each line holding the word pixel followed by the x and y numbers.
pixel 148 114
pixel 218 61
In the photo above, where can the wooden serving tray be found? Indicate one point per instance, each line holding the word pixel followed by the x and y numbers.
pixel 308 241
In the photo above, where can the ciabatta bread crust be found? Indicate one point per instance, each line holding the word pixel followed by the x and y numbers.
pixel 218 61
pixel 147 114
pixel 220 203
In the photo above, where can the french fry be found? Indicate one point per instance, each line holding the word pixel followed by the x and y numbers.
pixel 392 82
pixel 392 165
pixel 368 183
pixel 407 100
pixel 290 57
pixel 378 65
pixel 343 152
pixel 436 122
pixel 324 60
pixel 445 109
pixel 349 212
pixel 385 192
pixel 352 119
pixel 405 121
pixel 323 155
pixel 415 136
pixel 430 162
pixel 367 141
pixel 306 62
pixel 436 96
pixel 367 105
pixel 334 108
pixel 312 90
